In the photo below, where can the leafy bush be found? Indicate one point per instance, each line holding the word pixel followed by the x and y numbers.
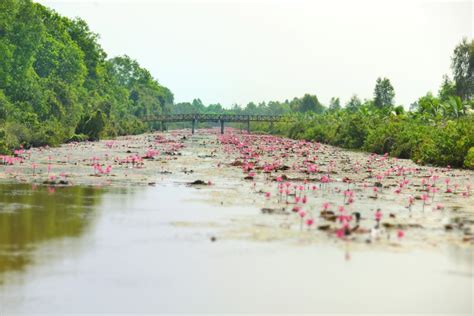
pixel 469 160
pixel 78 138
pixel 447 143
pixel 92 125
pixel 426 140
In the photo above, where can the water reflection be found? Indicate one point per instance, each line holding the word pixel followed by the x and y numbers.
pixel 30 215
pixel 129 243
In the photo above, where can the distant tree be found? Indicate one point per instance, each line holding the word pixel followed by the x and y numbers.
pixel 262 108
pixel 310 103
pixel 237 109
pixel 295 104
pixel 463 69
pixel 353 104
pixel 198 106
pixel 251 108
pixel 214 108
pixel 277 108
pixel 384 93
pixel 447 89
pixel 334 104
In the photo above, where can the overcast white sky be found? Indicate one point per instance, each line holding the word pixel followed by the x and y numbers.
pixel 236 51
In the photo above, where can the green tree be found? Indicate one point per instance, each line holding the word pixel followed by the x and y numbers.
pixel 310 103
pixel 384 93
pixel 447 89
pixel 463 69
pixel 353 104
pixel 334 104
pixel 251 108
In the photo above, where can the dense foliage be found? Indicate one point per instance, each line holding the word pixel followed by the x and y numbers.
pixel 307 104
pixel 56 83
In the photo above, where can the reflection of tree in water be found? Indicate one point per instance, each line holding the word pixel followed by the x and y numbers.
pixel 29 215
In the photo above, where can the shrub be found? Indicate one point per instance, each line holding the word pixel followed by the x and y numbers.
pixel 92 125
pixel 447 143
pixel 78 138
pixel 469 160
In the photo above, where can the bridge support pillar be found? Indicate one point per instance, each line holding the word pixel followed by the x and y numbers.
pixel 163 126
pixel 194 126
pixel 222 126
pixel 248 126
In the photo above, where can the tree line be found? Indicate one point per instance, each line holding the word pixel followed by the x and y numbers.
pixel 57 84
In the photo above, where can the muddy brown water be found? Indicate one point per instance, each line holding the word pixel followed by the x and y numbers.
pixel 172 248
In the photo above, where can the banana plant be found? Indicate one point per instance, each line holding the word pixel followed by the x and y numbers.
pixel 453 107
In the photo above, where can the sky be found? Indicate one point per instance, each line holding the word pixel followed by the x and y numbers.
pixel 237 51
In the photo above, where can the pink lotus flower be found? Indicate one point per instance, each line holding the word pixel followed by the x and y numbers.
pixel 378 215
pixel 400 234
pixel 340 233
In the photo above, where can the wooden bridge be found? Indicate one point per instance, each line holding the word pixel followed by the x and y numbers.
pixel 221 118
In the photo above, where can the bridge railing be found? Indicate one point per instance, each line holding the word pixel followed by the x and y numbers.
pixel 221 118
pixel 215 118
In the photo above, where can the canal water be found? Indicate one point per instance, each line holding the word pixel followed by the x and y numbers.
pixel 129 250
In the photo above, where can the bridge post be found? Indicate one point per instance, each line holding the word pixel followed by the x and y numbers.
pixel 248 125
pixel 194 122
pixel 222 126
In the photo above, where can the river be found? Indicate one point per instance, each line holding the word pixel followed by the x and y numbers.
pixel 170 247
